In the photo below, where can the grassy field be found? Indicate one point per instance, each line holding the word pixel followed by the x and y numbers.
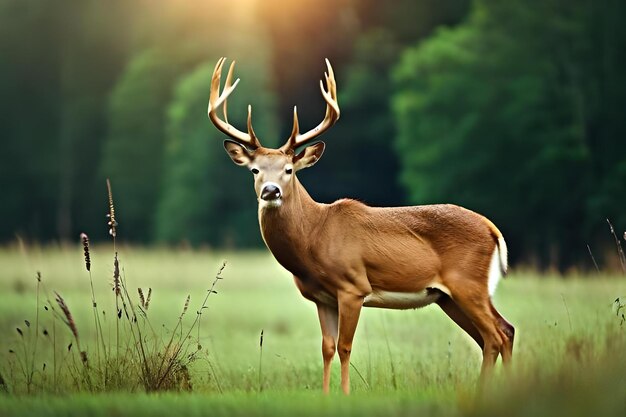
pixel 569 355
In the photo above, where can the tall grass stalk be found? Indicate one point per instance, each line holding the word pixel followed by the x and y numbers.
pixel 96 317
pixel 112 223
pixel 367 386
pixel 118 311
pixel 618 244
pixel 32 363
pixel 261 361
pixel 595 264
pixel 391 365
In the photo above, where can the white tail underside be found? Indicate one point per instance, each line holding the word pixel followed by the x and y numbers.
pixel 498 265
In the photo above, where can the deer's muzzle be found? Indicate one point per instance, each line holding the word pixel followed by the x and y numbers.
pixel 271 192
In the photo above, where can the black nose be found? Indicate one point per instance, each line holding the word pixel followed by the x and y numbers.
pixel 270 192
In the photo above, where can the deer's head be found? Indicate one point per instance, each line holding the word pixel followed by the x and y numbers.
pixel 273 169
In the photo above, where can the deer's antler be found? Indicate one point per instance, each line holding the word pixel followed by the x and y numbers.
pixel 332 114
pixel 216 100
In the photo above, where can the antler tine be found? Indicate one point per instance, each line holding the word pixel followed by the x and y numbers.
pixel 296 125
pixel 215 82
pixel 330 117
pixel 227 85
pixel 216 100
pixel 250 130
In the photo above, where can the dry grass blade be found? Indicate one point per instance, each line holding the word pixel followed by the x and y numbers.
pixel 72 325
pixel 69 319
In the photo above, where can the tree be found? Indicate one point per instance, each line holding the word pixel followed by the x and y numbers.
pixel 133 154
pixel 59 61
pixel 362 39
pixel 205 198
pixel 408 20
pixel 360 161
pixel 175 38
pixel 494 115
pixel 303 33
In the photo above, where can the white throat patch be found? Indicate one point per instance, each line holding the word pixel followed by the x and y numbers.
pixel 270 204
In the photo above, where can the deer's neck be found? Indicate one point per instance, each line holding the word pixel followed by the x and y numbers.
pixel 289 230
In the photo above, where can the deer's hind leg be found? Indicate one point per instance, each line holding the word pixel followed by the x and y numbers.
pixel 460 318
pixel 508 334
pixel 474 300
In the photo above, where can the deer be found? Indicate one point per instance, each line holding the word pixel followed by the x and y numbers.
pixel 347 255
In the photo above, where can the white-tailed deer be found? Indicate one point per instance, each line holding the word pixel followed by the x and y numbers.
pixel 347 255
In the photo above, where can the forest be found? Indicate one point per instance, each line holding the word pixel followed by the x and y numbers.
pixel 512 109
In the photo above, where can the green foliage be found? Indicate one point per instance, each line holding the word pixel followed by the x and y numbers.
pixel 205 198
pixel 164 185
pixel 516 113
pixel 301 34
pixel 360 161
pixel 133 155
pixel 410 20
pixel 490 117
pixel 57 68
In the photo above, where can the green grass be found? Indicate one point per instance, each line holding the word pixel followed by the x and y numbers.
pixel 569 355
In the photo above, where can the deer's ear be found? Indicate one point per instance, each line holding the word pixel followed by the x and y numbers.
pixel 309 156
pixel 238 153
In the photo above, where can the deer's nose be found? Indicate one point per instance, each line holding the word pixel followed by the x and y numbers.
pixel 270 192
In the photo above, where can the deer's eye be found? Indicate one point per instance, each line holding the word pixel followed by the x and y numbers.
pixel 254 171
pixel 288 170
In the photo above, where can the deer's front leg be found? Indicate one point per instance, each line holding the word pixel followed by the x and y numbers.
pixel 329 323
pixel 349 311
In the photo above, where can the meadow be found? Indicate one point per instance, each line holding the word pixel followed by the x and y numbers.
pixel 568 356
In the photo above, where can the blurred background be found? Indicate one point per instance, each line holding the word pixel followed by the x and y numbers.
pixel 513 109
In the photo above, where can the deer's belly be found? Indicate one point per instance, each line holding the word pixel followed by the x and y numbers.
pixel 401 300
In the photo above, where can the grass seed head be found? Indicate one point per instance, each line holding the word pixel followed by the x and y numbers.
pixel 186 304
pixel 112 222
pixel 85 240
pixel 142 299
